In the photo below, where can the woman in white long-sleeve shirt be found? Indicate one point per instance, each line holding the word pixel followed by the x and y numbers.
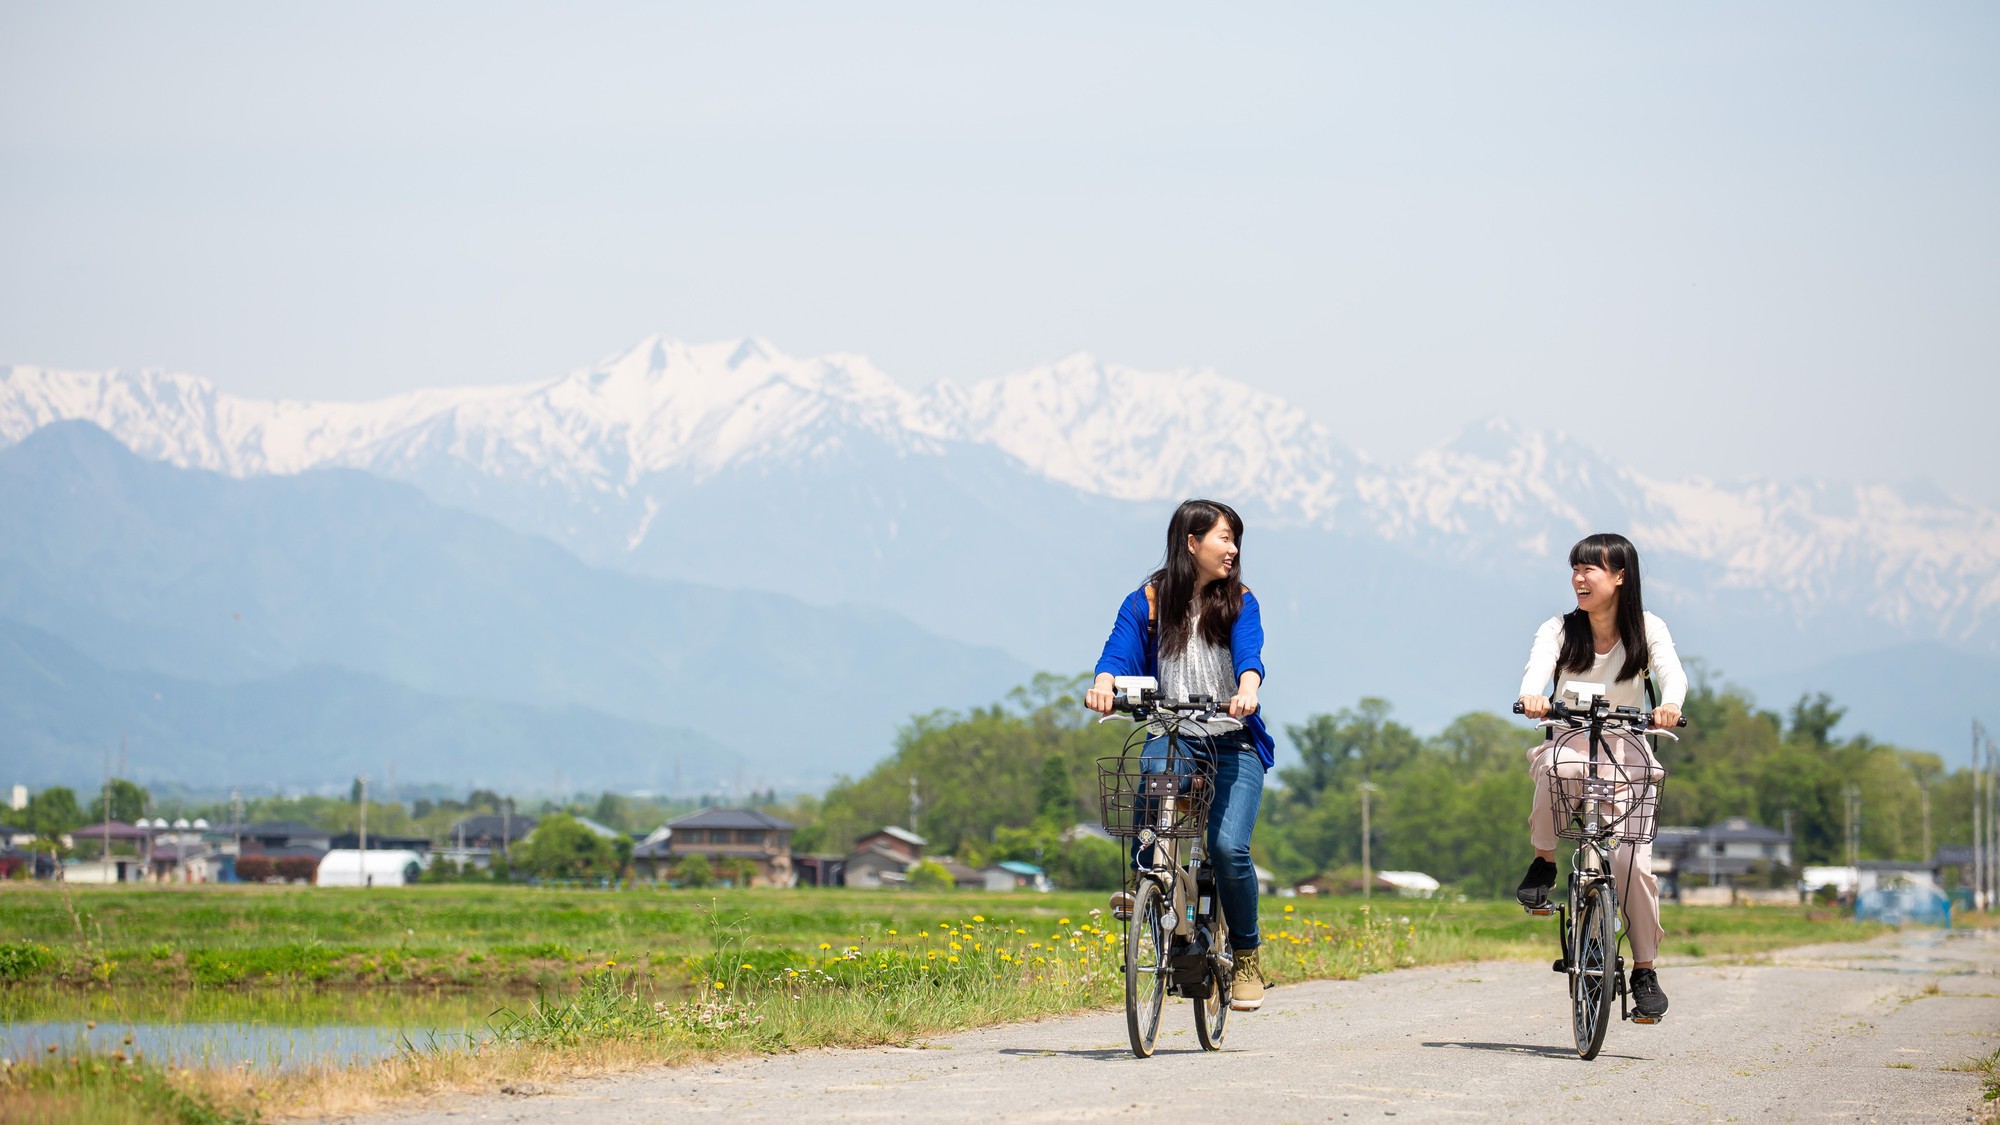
pixel 1608 639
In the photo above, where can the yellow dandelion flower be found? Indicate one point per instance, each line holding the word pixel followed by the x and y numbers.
pixel 956 947
pixel 826 945
pixel 953 959
pixel 979 917
pixel 892 933
pixel 1020 931
pixel 745 966
pixel 1062 921
pixel 719 986
pixel 923 933
pixel 1289 908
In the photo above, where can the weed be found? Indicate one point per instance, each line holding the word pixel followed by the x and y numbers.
pixel 105 1088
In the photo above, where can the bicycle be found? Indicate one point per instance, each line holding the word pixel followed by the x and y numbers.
pixel 1612 803
pixel 1176 939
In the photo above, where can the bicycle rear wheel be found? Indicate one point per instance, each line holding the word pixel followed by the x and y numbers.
pixel 1594 968
pixel 1145 968
pixel 1211 1016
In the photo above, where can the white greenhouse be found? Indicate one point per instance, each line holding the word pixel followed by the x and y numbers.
pixel 346 867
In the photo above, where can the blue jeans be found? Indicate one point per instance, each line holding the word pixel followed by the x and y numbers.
pixel 1239 790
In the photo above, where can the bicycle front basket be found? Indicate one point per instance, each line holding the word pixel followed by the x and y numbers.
pixel 1168 792
pixel 1625 797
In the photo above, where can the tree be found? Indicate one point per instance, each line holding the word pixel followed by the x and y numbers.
pixel 128 802
pixel 52 812
pixel 610 811
pixel 1055 801
pixel 1813 719
pixel 561 847
pixel 693 871
pixel 929 876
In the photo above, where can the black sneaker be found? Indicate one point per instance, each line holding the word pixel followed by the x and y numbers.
pixel 1536 884
pixel 1648 1001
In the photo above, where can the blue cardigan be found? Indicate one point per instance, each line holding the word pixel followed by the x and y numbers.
pixel 1131 651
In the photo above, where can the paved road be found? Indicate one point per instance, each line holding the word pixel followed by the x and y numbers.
pixel 1844 1032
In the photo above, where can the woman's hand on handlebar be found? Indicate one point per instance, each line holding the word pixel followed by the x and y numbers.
pixel 1100 697
pixel 1666 715
pixel 1535 706
pixel 1243 704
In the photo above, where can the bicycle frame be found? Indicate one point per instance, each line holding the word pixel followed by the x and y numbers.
pixel 1176 936
pixel 1177 866
pixel 1588 925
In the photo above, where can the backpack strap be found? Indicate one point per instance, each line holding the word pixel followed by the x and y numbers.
pixel 1152 628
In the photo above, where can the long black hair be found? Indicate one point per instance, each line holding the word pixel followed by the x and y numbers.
pixel 1614 553
pixel 1174 583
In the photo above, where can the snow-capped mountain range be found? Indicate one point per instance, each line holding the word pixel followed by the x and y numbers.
pixel 1917 561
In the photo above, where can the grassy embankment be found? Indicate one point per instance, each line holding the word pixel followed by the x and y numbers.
pixel 570 982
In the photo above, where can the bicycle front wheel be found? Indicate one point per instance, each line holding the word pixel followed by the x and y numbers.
pixel 1594 968
pixel 1145 968
pixel 1211 1015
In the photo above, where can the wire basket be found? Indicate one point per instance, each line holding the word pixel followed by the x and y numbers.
pixel 1626 796
pixel 1166 789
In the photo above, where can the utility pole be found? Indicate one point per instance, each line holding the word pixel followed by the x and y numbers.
pixel 108 869
pixel 1367 870
pixel 362 784
pixel 1978 821
pixel 916 803
pixel 1992 839
pixel 1852 793
pixel 1925 792
pixel 1984 818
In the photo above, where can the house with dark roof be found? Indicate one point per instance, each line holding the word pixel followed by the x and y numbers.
pixel 898 841
pixel 1955 861
pixel 730 836
pixel 490 830
pixel 881 858
pixel 383 842
pixel 281 835
pixel 1721 854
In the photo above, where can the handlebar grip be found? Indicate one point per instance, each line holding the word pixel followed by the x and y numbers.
pixel 1518 709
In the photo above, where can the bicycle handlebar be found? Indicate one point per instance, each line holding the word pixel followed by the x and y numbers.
pixel 1194 706
pixel 1624 716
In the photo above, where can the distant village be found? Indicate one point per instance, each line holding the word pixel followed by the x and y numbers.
pixel 749 847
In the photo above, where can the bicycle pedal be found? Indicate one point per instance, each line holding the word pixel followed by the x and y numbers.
pixel 1561 965
pixel 1647 1019
pixel 1540 911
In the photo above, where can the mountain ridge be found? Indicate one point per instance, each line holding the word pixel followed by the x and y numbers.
pixel 667 410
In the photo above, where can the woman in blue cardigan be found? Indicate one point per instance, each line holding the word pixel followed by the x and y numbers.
pixel 1195 628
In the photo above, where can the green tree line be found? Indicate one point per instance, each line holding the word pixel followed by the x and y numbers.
pixel 1004 782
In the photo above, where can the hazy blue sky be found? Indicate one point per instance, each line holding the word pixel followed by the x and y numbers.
pixel 1761 238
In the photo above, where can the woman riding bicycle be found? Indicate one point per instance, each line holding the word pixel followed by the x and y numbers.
pixel 1608 639
pixel 1198 631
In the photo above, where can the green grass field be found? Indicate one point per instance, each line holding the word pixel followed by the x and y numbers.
pixel 580 980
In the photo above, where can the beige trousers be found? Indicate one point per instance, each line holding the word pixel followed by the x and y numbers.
pixel 1568 758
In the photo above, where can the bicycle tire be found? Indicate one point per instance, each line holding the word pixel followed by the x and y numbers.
pixel 1145 957
pixel 1594 969
pixel 1211 1015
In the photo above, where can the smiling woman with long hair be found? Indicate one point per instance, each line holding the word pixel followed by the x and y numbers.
pixel 1609 640
pixel 1195 627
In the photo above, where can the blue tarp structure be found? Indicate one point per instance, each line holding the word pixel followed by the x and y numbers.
pixel 1900 897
